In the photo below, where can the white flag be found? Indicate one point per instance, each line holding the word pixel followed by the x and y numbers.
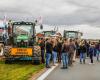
pixel 5 19
pixel 40 20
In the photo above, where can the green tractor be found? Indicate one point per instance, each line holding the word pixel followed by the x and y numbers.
pixel 22 43
pixel 72 34
pixel 24 38
pixel 1 41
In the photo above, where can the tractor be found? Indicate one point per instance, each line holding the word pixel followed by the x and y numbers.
pixel 1 41
pixel 48 34
pixel 21 43
pixel 72 34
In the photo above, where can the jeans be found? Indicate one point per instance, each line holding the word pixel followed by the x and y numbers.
pixel 97 54
pixel 91 57
pixel 70 59
pixel 54 55
pixel 48 56
pixel 65 59
pixel 82 56
pixel 59 55
pixel 42 56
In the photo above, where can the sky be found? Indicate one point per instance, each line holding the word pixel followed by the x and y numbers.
pixel 89 32
pixel 55 12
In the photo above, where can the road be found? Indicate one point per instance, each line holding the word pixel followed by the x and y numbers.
pixel 77 72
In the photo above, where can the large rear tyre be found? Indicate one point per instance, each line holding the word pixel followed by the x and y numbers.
pixel 36 61
pixel 8 61
pixel 37 55
pixel 1 49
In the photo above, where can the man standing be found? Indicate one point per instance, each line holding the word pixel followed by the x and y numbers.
pixel 72 49
pixel 48 52
pixel 65 49
pixel 42 45
pixel 98 50
pixel 82 51
pixel 54 52
pixel 59 47
pixel 5 37
pixel 91 53
pixel 87 44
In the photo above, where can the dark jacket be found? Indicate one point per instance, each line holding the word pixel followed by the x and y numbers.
pixel 65 48
pixel 55 48
pixel 49 47
pixel 59 46
pixel 98 46
pixel 91 50
pixel 72 48
pixel 42 45
pixel 77 45
pixel 82 49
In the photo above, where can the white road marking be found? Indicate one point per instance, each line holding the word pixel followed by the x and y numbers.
pixel 42 77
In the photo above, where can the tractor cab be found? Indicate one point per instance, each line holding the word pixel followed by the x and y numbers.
pixel 48 34
pixel 22 34
pixel 72 34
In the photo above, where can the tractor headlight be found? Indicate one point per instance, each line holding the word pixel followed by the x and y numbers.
pixel 25 40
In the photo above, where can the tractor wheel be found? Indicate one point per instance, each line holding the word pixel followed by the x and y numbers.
pixel 36 60
pixel 37 51
pixel 37 55
pixel 7 51
pixel 8 61
pixel 1 49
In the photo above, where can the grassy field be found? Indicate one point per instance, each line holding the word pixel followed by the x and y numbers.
pixel 18 71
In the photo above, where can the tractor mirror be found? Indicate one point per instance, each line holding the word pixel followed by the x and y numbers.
pixel 41 26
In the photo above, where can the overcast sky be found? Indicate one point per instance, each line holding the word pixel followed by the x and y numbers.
pixel 53 12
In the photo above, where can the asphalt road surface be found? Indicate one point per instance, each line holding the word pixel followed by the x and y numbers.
pixel 77 72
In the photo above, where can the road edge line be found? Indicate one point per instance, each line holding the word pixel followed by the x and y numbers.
pixel 44 75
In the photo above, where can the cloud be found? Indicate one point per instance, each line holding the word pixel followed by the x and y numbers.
pixel 33 8
pixel 58 12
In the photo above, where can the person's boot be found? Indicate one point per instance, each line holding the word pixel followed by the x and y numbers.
pixel 97 59
pixel 84 61
pixel 66 67
pixel 63 67
pixel 47 66
pixel 80 62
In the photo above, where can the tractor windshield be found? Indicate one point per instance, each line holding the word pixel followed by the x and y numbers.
pixel 71 34
pixel 22 34
pixel 49 33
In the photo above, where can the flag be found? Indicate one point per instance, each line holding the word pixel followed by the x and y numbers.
pixel 5 21
pixel 57 29
pixel 40 20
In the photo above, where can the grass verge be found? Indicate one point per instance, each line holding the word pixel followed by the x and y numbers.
pixel 18 71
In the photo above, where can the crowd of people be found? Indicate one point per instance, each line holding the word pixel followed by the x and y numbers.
pixel 67 50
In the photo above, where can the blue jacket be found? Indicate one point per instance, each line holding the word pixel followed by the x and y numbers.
pixel 91 50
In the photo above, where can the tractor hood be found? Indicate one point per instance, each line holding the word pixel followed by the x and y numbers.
pixel 22 37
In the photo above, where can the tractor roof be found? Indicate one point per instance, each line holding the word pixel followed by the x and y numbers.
pixel 23 23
